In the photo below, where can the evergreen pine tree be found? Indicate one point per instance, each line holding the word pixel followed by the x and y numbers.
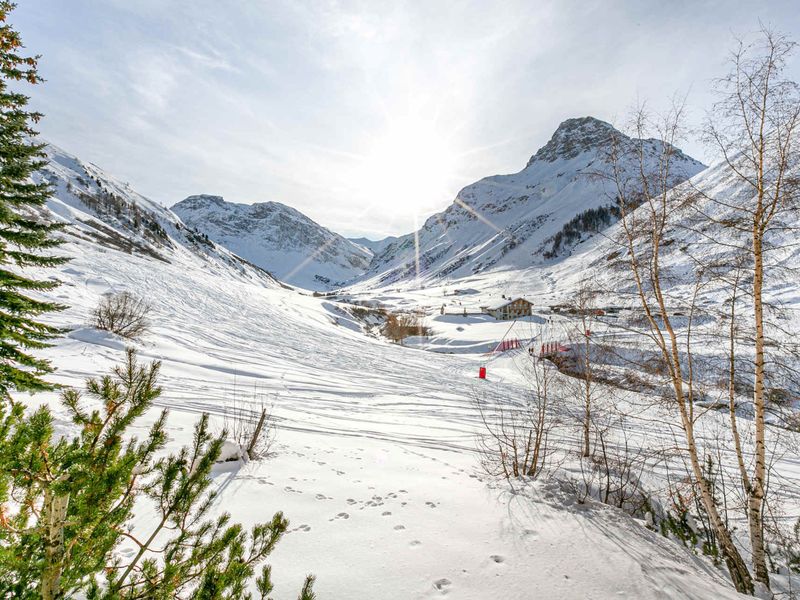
pixel 24 238
pixel 66 504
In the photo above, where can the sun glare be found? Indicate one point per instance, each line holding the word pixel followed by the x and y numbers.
pixel 409 168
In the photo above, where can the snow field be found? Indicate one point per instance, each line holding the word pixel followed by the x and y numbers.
pixel 374 462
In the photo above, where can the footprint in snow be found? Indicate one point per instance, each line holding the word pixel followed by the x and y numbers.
pixel 341 515
pixel 399 527
pixel 415 543
pixel 386 513
pixel 497 558
pixel 431 504
pixel 442 585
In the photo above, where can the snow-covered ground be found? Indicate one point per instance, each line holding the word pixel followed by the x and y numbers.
pixel 374 461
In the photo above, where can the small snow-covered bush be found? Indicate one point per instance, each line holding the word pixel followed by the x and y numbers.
pixel 123 314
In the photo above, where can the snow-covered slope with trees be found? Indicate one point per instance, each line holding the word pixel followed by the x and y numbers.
pixel 514 221
pixel 99 209
pixel 278 238
pixel 374 461
pixel 706 234
pixel 375 447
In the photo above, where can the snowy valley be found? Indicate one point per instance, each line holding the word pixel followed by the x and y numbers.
pixel 576 381
pixel 376 460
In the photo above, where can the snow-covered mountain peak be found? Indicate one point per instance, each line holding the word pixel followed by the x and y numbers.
pixel 516 221
pixel 574 136
pixel 278 238
pixel 203 201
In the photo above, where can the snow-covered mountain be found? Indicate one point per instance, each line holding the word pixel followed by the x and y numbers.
pixel 516 221
pixel 98 209
pixel 374 246
pixel 381 432
pixel 700 231
pixel 278 238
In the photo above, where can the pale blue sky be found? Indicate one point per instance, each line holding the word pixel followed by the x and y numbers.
pixel 367 116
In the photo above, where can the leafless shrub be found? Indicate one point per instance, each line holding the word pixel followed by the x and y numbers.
pixel 249 424
pixel 655 366
pixel 779 396
pixel 634 381
pixel 516 441
pixel 399 326
pixel 612 473
pixel 124 314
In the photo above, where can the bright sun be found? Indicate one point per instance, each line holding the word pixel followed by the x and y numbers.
pixel 409 168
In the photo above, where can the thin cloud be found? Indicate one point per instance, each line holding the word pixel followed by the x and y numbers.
pixel 284 100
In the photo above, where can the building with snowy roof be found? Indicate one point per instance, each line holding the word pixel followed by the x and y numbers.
pixel 509 309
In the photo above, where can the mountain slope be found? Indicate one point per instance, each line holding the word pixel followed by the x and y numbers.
pixel 700 231
pixel 277 238
pixel 99 209
pixel 373 438
pixel 516 221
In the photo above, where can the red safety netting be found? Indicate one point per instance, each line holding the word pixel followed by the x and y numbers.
pixel 553 348
pixel 510 344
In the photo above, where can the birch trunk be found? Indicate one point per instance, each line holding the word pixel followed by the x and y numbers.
pixel 755 499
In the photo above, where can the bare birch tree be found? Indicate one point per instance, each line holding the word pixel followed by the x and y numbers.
pixel 582 384
pixel 754 126
pixel 642 184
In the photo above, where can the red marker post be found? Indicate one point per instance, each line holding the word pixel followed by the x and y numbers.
pixel 482 373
